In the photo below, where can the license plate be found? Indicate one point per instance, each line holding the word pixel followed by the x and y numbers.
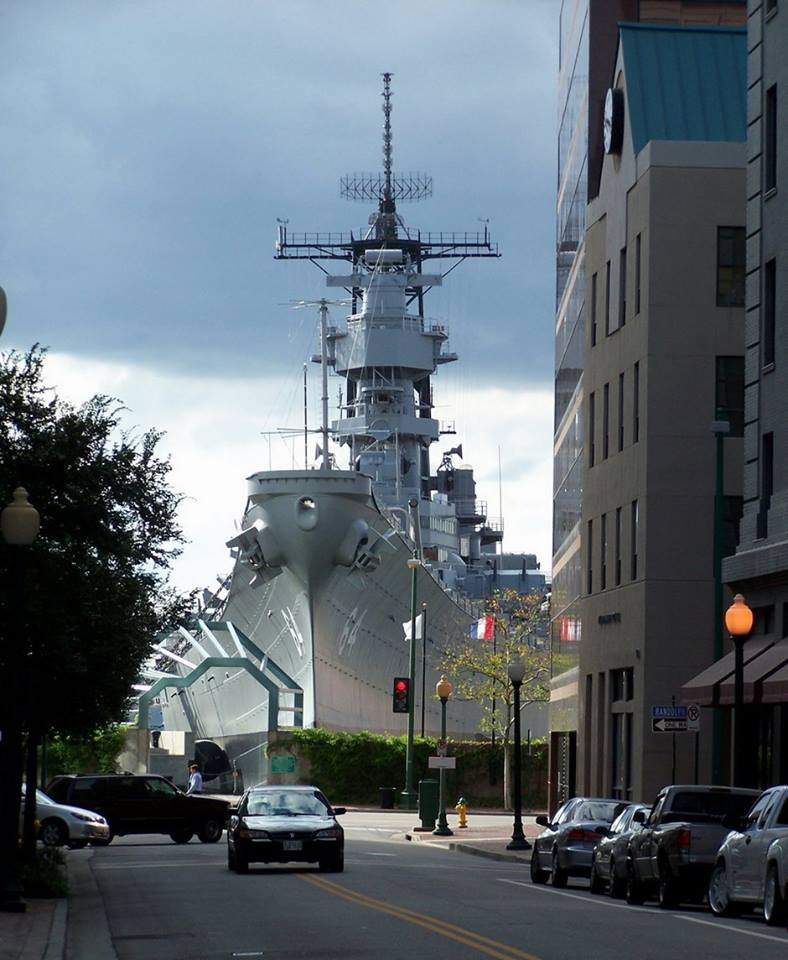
pixel 292 845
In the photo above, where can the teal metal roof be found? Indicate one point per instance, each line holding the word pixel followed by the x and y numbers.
pixel 685 83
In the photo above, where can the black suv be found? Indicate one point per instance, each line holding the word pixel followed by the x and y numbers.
pixel 134 803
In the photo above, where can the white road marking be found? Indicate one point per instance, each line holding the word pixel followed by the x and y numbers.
pixel 725 926
pixel 148 865
pixel 644 911
pixel 381 854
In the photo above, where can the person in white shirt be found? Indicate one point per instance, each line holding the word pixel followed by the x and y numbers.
pixel 195 779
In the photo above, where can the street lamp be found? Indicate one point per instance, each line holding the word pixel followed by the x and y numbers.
pixel 19 523
pixel 516 671
pixel 408 795
pixel 443 688
pixel 738 622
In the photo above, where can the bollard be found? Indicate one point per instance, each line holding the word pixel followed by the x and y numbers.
pixel 462 812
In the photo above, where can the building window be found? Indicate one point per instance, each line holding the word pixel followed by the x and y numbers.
pixel 603 552
pixel 606 421
pixel 731 255
pixel 769 310
pixel 637 274
pixel 622 287
pixel 729 393
pixel 636 404
pixel 591 431
pixel 620 412
pixel 767 483
pixel 770 140
pixel 617 549
pixel 607 298
pixel 633 543
pixel 593 309
pixel 771 6
pixel 622 695
pixel 589 558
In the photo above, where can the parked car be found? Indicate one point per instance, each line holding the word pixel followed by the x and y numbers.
pixel 673 855
pixel 146 803
pixel 609 859
pixel 751 869
pixel 279 824
pixel 564 848
pixel 61 825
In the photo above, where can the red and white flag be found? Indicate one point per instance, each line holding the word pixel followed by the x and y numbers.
pixel 483 629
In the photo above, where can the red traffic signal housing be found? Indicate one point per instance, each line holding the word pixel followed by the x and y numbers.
pixel 401 694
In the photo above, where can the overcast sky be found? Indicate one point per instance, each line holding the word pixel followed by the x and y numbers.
pixel 148 149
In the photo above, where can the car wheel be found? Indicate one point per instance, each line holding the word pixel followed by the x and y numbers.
pixel 719 899
pixel 774 911
pixel 210 831
pixel 595 884
pixel 537 874
pixel 668 891
pixel 53 833
pixel 558 875
pixel 617 887
pixel 240 863
pixel 635 894
pixel 181 836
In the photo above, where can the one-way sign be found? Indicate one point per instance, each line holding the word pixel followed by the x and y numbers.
pixel 668 726
pixel 675 718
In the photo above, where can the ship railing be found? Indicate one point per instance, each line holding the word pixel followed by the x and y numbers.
pixel 421 324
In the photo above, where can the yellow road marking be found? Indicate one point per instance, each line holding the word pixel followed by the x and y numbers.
pixel 501 951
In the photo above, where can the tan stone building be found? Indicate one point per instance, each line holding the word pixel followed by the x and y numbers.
pixel 663 350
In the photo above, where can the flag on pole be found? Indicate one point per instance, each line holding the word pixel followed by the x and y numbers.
pixel 406 628
pixel 483 629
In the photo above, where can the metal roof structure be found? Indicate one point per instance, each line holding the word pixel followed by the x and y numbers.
pixel 685 83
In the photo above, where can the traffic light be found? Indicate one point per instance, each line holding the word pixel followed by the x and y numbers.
pixel 401 694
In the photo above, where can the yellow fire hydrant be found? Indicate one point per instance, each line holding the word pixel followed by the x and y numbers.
pixel 462 812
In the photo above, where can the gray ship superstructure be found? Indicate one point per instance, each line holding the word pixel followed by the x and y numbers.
pixel 310 628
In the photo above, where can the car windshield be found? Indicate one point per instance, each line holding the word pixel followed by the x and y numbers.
pixel 284 804
pixel 598 810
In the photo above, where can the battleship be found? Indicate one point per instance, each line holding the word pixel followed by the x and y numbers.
pixel 310 628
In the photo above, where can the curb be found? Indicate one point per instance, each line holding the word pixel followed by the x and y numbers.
pixel 56 945
pixel 489 854
pixel 88 936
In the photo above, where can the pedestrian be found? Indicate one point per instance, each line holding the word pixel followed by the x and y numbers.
pixel 195 779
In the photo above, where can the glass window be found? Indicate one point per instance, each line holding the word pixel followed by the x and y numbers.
pixel 636 403
pixel 593 309
pixel 159 788
pixel 591 431
pixel 607 298
pixel 637 274
pixel 770 139
pixel 729 393
pixel 731 255
pixel 589 558
pixel 86 791
pixel 633 532
pixel 769 308
pixel 622 287
pixel 603 553
pixel 606 421
pixel 620 412
pixel 781 819
pixel 617 549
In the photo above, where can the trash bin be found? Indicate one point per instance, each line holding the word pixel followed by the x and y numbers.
pixel 387 795
pixel 428 803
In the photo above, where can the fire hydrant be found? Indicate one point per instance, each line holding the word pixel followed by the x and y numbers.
pixel 462 812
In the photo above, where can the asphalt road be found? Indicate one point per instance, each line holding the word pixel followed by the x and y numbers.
pixel 394 900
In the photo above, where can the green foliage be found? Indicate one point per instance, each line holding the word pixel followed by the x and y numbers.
pixel 45 875
pixel 95 584
pixel 96 752
pixel 478 668
pixel 351 767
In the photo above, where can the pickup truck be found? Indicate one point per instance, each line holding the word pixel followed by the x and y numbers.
pixel 752 864
pixel 672 857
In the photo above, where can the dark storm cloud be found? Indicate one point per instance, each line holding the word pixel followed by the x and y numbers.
pixel 150 147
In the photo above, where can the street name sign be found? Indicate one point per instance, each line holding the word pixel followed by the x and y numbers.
pixel 675 718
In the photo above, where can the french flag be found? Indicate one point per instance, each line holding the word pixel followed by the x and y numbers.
pixel 483 629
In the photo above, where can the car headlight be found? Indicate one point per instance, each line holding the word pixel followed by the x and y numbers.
pixel 329 834
pixel 85 817
pixel 248 833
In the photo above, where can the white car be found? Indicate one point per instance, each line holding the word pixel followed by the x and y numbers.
pixel 752 864
pixel 61 825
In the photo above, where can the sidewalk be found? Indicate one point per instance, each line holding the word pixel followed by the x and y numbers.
pixel 481 839
pixel 37 934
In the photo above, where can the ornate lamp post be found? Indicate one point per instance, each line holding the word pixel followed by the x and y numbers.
pixel 443 688
pixel 19 523
pixel 738 622
pixel 516 671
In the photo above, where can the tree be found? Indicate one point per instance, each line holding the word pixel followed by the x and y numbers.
pixel 97 576
pixel 478 668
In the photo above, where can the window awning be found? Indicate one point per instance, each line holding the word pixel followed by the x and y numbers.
pixel 714 685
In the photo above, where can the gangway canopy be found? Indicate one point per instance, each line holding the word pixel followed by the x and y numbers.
pixel 268 674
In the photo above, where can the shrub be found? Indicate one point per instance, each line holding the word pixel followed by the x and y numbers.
pixel 95 753
pixel 45 875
